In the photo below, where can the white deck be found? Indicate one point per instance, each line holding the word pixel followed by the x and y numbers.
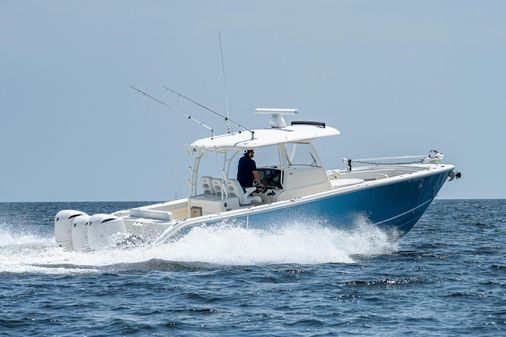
pixel 209 204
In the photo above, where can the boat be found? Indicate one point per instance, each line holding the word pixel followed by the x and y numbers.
pixel 296 185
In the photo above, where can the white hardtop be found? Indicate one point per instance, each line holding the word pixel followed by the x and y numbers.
pixel 264 137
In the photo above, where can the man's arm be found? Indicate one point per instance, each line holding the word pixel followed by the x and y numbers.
pixel 256 178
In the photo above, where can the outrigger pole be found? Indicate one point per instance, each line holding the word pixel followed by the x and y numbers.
pixel 174 109
pixel 227 119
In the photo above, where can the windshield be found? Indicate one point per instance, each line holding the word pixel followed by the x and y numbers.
pixel 301 154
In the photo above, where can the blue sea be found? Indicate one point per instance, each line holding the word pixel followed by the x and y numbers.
pixel 447 277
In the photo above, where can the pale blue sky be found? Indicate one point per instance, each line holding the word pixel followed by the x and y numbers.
pixel 396 77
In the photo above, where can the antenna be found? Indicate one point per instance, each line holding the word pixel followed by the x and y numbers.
pixel 277 120
pixel 175 110
pixel 211 110
pixel 224 82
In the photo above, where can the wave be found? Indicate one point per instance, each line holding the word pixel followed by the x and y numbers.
pixel 224 244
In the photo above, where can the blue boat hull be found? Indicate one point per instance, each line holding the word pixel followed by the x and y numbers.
pixel 395 206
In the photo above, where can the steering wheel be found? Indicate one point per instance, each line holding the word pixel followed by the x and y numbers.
pixel 260 189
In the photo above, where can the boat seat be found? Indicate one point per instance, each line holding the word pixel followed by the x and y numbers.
pixel 151 214
pixel 235 189
pixel 207 184
pixel 217 186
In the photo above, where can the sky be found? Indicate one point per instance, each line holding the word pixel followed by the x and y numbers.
pixel 395 77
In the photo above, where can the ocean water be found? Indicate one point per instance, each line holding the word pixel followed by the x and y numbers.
pixel 447 277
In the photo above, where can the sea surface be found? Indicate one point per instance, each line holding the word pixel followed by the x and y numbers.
pixel 447 277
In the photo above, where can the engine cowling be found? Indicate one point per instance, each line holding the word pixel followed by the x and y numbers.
pixel 105 230
pixel 80 233
pixel 63 226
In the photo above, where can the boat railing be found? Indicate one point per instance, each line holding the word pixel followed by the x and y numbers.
pixel 433 157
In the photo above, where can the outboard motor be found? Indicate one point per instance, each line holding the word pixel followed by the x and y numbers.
pixel 63 227
pixel 105 230
pixel 80 233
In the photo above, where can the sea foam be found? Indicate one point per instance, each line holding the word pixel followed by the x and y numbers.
pixel 224 244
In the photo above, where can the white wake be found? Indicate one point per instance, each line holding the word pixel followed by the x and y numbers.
pixel 308 243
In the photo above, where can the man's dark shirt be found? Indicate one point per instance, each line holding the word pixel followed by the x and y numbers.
pixel 245 171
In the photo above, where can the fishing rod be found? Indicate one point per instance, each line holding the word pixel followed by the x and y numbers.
pixel 174 109
pixel 224 82
pixel 211 110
